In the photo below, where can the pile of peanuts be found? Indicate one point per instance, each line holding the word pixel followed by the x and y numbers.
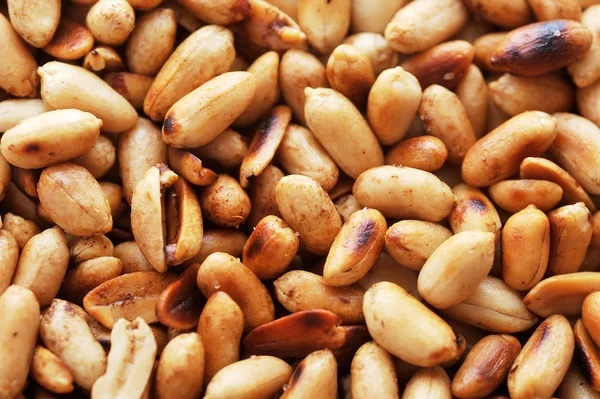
pixel 296 199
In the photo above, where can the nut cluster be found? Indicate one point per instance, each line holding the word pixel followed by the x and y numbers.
pixel 299 199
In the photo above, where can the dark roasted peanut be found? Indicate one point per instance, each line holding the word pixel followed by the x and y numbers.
pixel 588 353
pixel 180 303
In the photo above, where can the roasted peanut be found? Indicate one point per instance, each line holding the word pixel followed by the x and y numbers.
pixel 473 211
pixel 225 202
pixel 516 195
pixel 9 256
pixel 114 193
pixel 574 385
pixel 103 59
pixel 228 149
pixel 324 22
pixel 366 18
pixel 17 202
pixel 111 21
pixel 563 9
pixel 428 382
pixel 100 158
pixel 179 305
pixel 586 70
pixel 290 7
pixel 262 194
pixel 18 67
pixel 222 12
pixel 484 48
pixel 181 367
pixel 71 41
pixel 50 372
pixel 375 47
pixel 230 241
pixel 504 13
pixel 89 274
pixel 589 314
pixel 131 258
pixel 350 72
pixel 587 102
pixel 346 206
pixel 587 352
pixel 16 110
pixel 473 94
pixel 372 362
pixel 132 86
pixel 315 375
pixel 144 5
pixel 87 248
pixel 35 22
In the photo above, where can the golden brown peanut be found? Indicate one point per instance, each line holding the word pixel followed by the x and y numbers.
pixel 486 366
pixel 411 242
pixel 456 268
pixel 589 314
pixel 315 376
pixel 525 248
pixel 259 377
pixel 209 109
pixel 16 201
pixel 591 262
pixel 132 258
pixel 498 155
pixel 132 86
pixel 297 71
pixel 134 164
pixel 66 334
pixel 151 41
pixel 90 94
pixel 541 168
pixel 428 382
pixel 473 212
pixel 262 194
pixel 179 305
pixel 103 59
pixel 114 193
pixel 426 340
pixel 445 64
pixel 410 30
pixel 570 236
pixel 473 94
pixel 267 138
pixel 300 290
pixel 225 202
pixel 180 368
pixel 324 22
pixel 21 320
pixel 230 241
pixel 341 188
pixel 595 229
pixel 504 13
pixel 184 18
pixel 392 104
pixel 100 158
pixel 516 195
pixel 14 111
pixel 18 67
pixel 587 102
pixel 574 385
pixel 576 147
pixel 346 206
pixel 547 93
pixel 44 215
pixel 111 21
pixel 588 353
pixel 89 274
pixel 266 71
pixel 350 73
pixel 70 42
pixel 127 296
pixel 374 46
pixel 50 372
pixel 74 200
pixel 531 375
pixel 538 48
pixel 355 248
pixel 22 229
pixel 130 361
pixel 300 153
pixel 206 53
pixel 484 48
pixel 35 21
pixel 588 3
pixel 586 70
pixel 26 180
pixel 373 363
pixel 227 149
pixel 223 272
pixel 82 249
pixel 563 294
pixel 49 138
pixel 270 248
pixel 9 256
pixel 444 117
pixel 493 307
pixel 221 326
pixel 409 193
pixel 5 178
pixel 144 5
pixel 545 10
pixel 366 18
pixel 328 114
pixel 189 166
pixel 221 12
pixel 43 264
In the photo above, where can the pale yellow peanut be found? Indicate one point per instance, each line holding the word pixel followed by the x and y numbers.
pixel 221 326
pixel 498 155
pixel 111 21
pixel 74 200
pixel 324 22
pixel 308 210
pixel 69 86
pixel 71 40
pixel 516 195
pixel 409 193
pixel 181 367
pixel 259 377
pixel 576 149
pixel 473 212
pixel 366 18
pixel 328 114
pixel 18 67
pixel 373 363
pixel 504 13
pixel 531 374
pixel 103 59
pixel 410 30
pixel 50 372
pixel 35 21
pixel 350 72
pixel 425 340
pixel 206 53
pixel 66 334
pixel 43 264
pixel 473 94
pixel 222 12
pixel 151 42
pixel 21 320
pixel 586 70
pixel 86 248
pixel 428 382
pixel 547 93
pixel 375 47
pixel 21 228
pixel 9 256
pixel 100 158
pixel 209 109
pixel 16 110
pixel 494 307
pixel 225 202
pixel 392 104
pixel 298 70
